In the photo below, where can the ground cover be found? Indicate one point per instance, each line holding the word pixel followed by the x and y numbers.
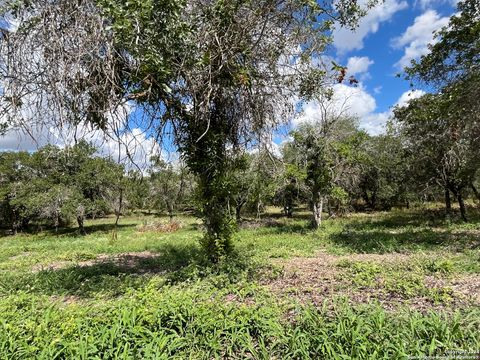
pixel 378 285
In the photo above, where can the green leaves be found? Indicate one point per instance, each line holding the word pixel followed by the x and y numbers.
pixel 456 53
pixel 52 183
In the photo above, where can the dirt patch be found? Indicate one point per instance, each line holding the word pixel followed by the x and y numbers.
pixel 57 265
pixel 66 299
pixel 468 286
pixel 19 256
pixel 160 227
pixel 307 279
pixel 129 260
pixel 320 278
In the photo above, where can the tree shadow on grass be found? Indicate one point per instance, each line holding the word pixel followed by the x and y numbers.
pixel 289 228
pixel 416 218
pixel 302 214
pixel 119 274
pixel 110 276
pixel 405 231
pixel 273 226
pixel 68 231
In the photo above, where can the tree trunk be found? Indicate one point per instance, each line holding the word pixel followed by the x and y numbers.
pixel 81 228
pixel 80 219
pixel 287 209
pixel 15 223
pixel 461 203
pixel 448 202
pixel 57 221
pixel 317 210
pixel 170 211
pixel 217 218
pixel 475 191
pixel 206 155
pixel 365 197
pixel 238 211
pixel 373 200
pixel 118 210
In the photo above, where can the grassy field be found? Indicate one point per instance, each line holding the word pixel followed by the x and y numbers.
pixel 384 285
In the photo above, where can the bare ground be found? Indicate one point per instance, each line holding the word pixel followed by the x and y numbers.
pixel 316 279
pixel 320 278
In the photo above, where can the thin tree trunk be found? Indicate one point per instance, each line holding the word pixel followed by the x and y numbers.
pixel 317 211
pixel 475 191
pixel 461 203
pixel 373 200
pixel 448 202
pixel 15 223
pixel 57 221
pixel 81 228
pixel 80 219
pixel 118 211
pixel 258 210
pixel 238 211
pixel 170 212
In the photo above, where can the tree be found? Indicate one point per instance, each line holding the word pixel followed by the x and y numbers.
pixel 215 72
pixel 14 172
pixel 444 143
pixel 452 67
pixel 171 186
pixel 291 188
pixel 54 185
pixel 384 176
pixel 455 56
pixel 265 173
pixel 324 148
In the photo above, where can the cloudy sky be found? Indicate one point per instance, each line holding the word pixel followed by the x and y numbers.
pixel 386 40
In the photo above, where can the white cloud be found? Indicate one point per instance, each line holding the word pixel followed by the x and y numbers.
pixel 374 123
pixel 409 95
pixel 358 66
pixel 378 89
pixel 354 101
pixel 426 4
pixel 416 38
pixel 128 145
pixel 132 148
pixel 346 40
pixel 347 100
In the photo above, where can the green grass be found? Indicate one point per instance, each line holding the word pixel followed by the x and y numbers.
pixel 56 301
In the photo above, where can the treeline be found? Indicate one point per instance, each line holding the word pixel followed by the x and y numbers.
pixel 331 167
pixel 57 186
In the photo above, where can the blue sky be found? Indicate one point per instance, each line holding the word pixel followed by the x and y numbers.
pixel 386 40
